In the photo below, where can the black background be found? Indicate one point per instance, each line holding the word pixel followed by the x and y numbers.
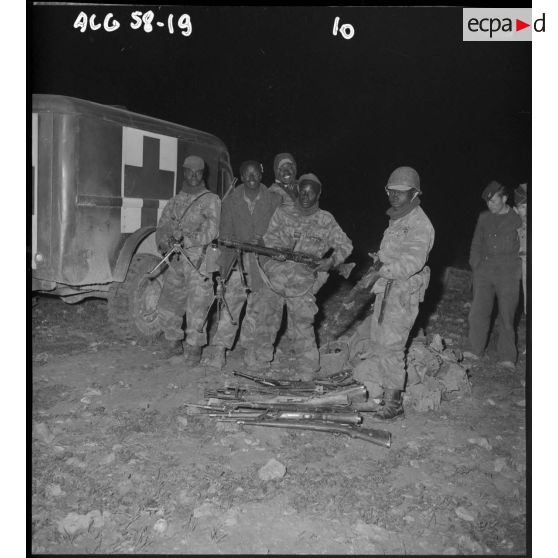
pixel 405 90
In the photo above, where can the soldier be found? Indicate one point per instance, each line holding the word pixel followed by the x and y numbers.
pixel 286 185
pixel 191 217
pixel 403 280
pixel 302 227
pixel 496 265
pixel 245 215
pixel 284 167
pixel 520 198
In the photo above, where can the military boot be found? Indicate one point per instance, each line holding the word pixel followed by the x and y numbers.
pixel 172 347
pixel 214 356
pixel 392 406
pixel 192 354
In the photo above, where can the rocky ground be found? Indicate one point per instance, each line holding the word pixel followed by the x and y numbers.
pixel 119 466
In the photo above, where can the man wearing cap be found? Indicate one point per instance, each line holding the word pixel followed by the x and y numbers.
pixel 284 167
pixel 520 199
pixel 192 219
pixel 302 227
pixel 403 280
pixel 245 216
pixel 496 265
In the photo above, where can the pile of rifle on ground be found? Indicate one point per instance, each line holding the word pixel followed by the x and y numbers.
pixel 330 405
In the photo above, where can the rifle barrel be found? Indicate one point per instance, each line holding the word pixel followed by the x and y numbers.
pixel 374 436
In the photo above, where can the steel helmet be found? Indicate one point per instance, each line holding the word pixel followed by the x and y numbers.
pixel 404 178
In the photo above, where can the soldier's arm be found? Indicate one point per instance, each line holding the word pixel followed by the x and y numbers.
pixel 412 255
pixel 209 230
pixel 277 235
pixel 341 244
pixel 164 226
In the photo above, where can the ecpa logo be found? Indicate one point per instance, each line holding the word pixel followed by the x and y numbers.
pixel 500 24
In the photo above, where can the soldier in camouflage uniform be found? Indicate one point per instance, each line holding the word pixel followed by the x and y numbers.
pixel 302 227
pixel 245 216
pixel 286 185
pixel 403 251
pixel 193 217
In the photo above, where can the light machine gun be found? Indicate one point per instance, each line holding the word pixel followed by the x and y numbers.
pixel 282 255
pixel 176 245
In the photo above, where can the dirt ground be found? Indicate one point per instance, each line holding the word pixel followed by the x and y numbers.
pixel 119 466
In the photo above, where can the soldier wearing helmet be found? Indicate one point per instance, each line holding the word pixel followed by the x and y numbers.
pixel 191 218
pixel 404 278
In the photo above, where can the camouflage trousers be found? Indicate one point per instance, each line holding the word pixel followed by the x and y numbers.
pixel 384 345
pixel 236 297
pixel 184 292
pixel 301 311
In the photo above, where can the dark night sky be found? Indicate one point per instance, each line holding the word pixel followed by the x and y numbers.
pixel 405 90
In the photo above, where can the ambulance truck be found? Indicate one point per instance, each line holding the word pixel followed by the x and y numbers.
pixel 100 178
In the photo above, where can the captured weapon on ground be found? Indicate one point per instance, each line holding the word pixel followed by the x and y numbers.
pixel 341 417
pixel 378 437
pixel 339 379
pixel 332 406
pixel 283 255
pixel 333 398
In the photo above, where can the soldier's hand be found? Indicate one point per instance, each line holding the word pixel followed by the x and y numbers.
pixel 164 245
pixel 370 278
pixel 324 265
pixel 177 235
pixel 187 242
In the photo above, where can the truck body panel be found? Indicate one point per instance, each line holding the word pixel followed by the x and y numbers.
pixel 101 177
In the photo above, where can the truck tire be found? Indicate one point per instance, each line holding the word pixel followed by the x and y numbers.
pixel 132 304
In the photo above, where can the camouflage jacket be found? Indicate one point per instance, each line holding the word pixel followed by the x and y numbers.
pixel 199 225
pixel 313 234
pixel 404 250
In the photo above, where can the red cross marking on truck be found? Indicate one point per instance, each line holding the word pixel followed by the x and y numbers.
pixel 148 181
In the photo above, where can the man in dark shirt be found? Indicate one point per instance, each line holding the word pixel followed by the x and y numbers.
pixel 496 265
pixel 245 216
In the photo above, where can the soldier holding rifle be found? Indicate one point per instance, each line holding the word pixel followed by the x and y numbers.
pixel 403 280
pixel 191 220
pixel 245 215
pixel 302 227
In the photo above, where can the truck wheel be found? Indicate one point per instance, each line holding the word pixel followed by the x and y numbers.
pixel 132 305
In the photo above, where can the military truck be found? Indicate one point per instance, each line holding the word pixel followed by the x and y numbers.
pixel 100 178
